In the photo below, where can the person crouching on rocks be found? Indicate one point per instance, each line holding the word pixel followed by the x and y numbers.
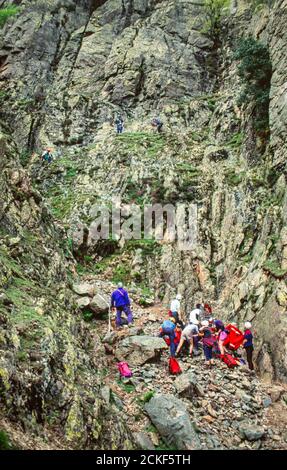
pixel 189 334
pixel 121 302
pixel 248 344
pixel 168 329
pixel 221 335
pixel 207 341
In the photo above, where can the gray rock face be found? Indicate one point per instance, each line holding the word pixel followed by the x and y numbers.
pixel 137 350
pixel 170 417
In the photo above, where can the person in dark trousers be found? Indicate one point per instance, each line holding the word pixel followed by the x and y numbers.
pixel 119 124
pixel 207 341
pixel 157 122
pixel 248 344
pixel 168 329
pixel 121 302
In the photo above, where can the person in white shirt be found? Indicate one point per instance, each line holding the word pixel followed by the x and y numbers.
pixel 195 314
pixel 189 334
pixel 175 309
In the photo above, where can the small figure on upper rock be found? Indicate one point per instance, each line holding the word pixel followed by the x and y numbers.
pixel 157 122
pixel 47 155
pixel 120 300
pixel 119 122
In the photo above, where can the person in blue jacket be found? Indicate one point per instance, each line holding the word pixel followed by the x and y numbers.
pixel 168 329
pixel 121 302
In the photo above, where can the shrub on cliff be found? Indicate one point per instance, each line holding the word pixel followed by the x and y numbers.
pixel 6 13
pixel 255 72
pixel 214 12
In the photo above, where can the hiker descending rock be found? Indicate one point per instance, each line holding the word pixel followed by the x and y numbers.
pixel 195 314
pixel 157 122
pixel 47 155
pixel 189 335
pixel 121 302
pixel 175 310
pixel 168 329
pixel 119 122
pixel 248 344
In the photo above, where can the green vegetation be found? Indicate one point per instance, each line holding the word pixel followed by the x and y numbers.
pixel 4 441
pixel 255 72
pixel 151 428
pixel 147 246
pixel 235 141
pixel 147 396
pixel 24 158
pixel 273 268
pixel 214 13
pixel 3 96
pixel 152 142
pixel 234 177
pixel 87 315
pixel 26 103
pixel 63 200
pixel 128 388
pixel 6 13
pixel 121 274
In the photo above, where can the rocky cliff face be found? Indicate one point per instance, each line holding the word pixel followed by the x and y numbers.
pixel 66 69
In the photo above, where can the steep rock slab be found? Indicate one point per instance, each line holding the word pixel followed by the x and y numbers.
pixel 171 418
pixel 137 350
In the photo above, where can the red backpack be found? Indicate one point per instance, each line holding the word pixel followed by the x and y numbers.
pixel 174 367
pixel 235 337
pixel 229 360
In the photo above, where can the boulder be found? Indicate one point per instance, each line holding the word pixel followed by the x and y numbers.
pixel 100 304
pixel 83 302
pixel 250 431
pixel 84 288
pixel 138 350
pixel 169 415
pixel 186 385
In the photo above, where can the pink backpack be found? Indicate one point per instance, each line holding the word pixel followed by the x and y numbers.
pixel 124 369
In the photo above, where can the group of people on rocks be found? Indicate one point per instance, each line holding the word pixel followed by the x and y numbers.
pixel 202 330
pixel 119 124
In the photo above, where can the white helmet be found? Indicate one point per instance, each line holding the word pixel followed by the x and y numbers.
pixel 204 323
pixel 247 325
pixel 178 297
pixel 120 284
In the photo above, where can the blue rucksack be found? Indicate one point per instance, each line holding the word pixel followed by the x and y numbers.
pixel 168 325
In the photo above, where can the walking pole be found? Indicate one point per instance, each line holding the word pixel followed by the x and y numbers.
pixel 109 323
